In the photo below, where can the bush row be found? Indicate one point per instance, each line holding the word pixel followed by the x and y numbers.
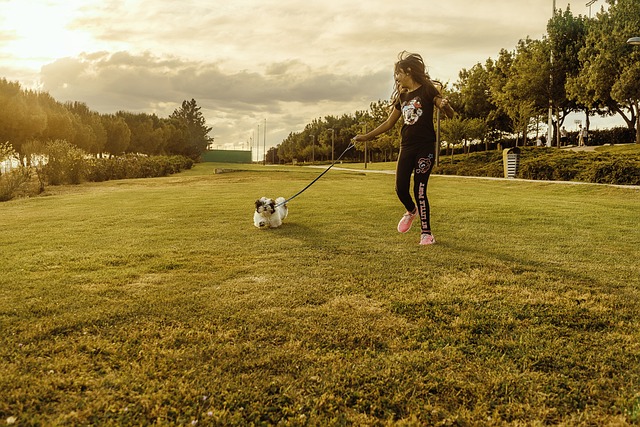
pixel 541 163
pixel 132 166
pixel 602 168
pixel 67 164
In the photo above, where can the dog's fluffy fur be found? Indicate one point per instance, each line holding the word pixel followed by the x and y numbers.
pixel 267 215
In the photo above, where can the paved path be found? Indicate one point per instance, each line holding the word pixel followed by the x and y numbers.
pixel 583 148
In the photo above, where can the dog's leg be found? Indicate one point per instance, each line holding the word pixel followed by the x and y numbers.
pixel 258 220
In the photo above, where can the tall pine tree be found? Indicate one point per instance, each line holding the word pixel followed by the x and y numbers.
pixel 191 122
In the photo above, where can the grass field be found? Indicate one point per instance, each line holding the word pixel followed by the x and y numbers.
pixel 157 302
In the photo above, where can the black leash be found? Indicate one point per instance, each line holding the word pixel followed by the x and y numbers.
pixel 351 145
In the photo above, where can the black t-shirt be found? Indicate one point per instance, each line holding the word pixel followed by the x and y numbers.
pixel 416 108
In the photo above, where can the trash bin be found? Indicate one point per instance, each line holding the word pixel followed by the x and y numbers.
pixel 511 161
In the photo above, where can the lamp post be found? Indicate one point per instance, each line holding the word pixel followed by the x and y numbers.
pixel 333 134
pixel 589 3
pixel 365 144
pixel 636 42
pixel 437 137
pixel 550 121
pixel 313 149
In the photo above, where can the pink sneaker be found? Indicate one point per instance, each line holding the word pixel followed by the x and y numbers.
pixel 427 239
pixel 405 223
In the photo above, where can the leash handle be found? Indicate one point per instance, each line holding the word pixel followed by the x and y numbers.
pixel 351 145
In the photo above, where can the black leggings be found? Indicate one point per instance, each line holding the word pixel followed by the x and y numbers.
pixel 417 159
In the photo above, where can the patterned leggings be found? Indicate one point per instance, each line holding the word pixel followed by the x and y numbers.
pixel 417 159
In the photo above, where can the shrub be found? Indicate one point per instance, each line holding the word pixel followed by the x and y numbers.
pixel 99 170
pixel 562 165
pixel 66 163
pixel 619 171
pixel 551 164
pixel 135 166
pixel 617 135
pixel 483 163
pixel 11 183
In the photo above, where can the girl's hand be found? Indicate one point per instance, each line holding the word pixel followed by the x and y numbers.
pixel 359 138
pixel 446 108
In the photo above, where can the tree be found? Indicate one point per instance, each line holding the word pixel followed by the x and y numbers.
pixel 21 117
pixel 90 134
pixel 608 77
pixel 389 141
pixel 478 129
pixel 566 37
pixel 474 89
pixel 118 134
pixel 454 132
pixel 527 88
pixel 498 72
pixel 198 139
pixel 60 121
pixel 144 139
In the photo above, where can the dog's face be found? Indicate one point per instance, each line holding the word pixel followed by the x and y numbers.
pixel 265 206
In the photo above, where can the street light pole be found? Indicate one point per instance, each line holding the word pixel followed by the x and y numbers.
pixel 550 121
pixel 313 149
pixel 636 42
pixel 365 144
pixel 437 137
pixel 333 134
pixel 589 3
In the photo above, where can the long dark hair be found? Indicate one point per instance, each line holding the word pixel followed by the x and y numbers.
pixel 412 65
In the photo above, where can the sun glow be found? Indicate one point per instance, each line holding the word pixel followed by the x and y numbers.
pixel 36 32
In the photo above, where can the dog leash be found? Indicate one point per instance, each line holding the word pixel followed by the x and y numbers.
pixel 351 145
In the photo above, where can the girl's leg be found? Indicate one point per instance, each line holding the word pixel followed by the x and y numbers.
pixel 404 168
pixel 422 172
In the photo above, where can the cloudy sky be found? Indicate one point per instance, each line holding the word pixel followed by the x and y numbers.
pixel 246 61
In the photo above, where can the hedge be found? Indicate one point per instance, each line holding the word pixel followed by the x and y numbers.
pixel 542 163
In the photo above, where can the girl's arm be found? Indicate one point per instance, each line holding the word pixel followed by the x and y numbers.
pixel 443 105
pixel 384 127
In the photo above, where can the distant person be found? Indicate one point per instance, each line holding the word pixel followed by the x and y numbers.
pixel 541 141
pixel 563 136
pixel 582 135
pixel 414 97
pixel 580 140
pixel 585 136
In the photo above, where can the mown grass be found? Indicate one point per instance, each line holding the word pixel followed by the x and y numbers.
pixel 156 301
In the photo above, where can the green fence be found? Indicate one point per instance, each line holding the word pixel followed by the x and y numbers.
pixel 227 156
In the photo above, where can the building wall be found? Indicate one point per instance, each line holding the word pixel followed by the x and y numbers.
pixel 227 156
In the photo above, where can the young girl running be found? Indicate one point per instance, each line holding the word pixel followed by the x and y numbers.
pixel 413 99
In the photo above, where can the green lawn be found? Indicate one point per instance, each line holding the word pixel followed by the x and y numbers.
pixel 157 301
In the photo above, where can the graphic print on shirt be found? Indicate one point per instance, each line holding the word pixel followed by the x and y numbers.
pixel 424 164
pixel 412 110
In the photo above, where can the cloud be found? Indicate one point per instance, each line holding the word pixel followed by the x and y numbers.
pixel 109 82
pixel 285 60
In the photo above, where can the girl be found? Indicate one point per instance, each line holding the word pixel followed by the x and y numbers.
pixel 414 98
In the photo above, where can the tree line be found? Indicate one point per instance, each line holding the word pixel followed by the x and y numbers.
pixel 582 65
pixel 28 119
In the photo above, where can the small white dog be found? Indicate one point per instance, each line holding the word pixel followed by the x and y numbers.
pixel 269 213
